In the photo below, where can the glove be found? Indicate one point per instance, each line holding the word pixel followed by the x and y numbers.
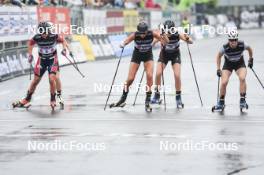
pixel 63 52
pixel 250 63
pixel 71 54
pixel 122 45
pixel 219 73
pixel 30 58
pixel 187 37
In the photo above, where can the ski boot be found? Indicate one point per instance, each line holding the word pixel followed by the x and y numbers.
pixel 156 99
pixel 24 103
pixel 148 108
pixel 219 107
pixel 243 104
pixel 121 103
pixel 21 104
pixel 179 102
pixel 60 100
pixel 52 101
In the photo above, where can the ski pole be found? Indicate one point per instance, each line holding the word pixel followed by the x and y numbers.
pixel 74 65
pixel 218 87
pixel 114 78
pixel 74 61
pixel 139 88
pixel 257 77
pixel 163 84
pixel 30 69
pixel 194 74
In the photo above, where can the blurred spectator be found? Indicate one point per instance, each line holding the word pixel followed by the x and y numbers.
pixel 130 4
pixel 53 2
pixel 13 2
pixel 119 3
pixel 151 4
pixel 32 2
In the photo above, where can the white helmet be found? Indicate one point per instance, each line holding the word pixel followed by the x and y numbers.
pixel 233 34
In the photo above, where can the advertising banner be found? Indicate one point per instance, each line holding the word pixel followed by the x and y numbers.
pixel 144 15
pixel 130 20
pixel 249 20
pixel 60 17
pixel 115 21
pixel 86 45
pixel 10 63
pixel 94 22
pixel 115 42
pixel 16 24
pixel 155 18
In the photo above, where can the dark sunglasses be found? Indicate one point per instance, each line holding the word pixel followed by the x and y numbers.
pixel 232 40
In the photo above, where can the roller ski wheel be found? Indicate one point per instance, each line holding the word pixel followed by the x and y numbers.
pixel 61 102
pixel 148 108
pixel 116 105
pixel 180 106
pixel 19 104
pixel 218 108
pixel 179 103
pixel 156 101
pixel 243 107
pixel 61 105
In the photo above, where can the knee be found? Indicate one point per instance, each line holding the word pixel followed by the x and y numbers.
pixel 224 83
pixel 177 77
pixel 159 73
pixel 242 79
pixel 52 79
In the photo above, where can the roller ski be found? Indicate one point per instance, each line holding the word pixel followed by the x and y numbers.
pixel 60 101
pixel 243 104
pixel 148 108
pixel 121 103
pixel 220 107
pixel 179 103
pixel 156 99
pixel 21 104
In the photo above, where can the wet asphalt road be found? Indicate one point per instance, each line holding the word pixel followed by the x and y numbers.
pixel 128 140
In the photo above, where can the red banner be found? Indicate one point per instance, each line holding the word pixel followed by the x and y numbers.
pixel 60 17
pixel 115 21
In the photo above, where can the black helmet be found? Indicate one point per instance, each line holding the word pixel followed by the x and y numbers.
pixel 169 24
pixel 142 27
pixel 44 27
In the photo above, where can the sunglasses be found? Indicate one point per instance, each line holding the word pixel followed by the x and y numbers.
pixel 233 40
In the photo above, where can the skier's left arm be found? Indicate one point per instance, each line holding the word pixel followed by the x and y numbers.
pixel 31 44
pixel 161 37
pixel 186 38
pixel 64 43
pixel 250 54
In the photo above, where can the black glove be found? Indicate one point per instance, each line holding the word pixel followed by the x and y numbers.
pixel 63 52
pixel 71 54
pixel 250 63
pixel 30 58
pixel 219 73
